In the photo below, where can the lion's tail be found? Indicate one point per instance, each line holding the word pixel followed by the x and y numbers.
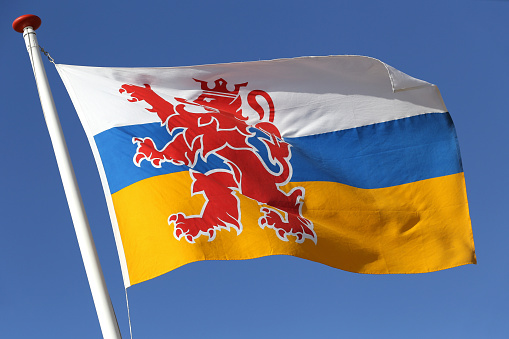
pixel 279 151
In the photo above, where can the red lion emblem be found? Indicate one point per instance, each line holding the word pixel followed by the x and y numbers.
pixel 213 124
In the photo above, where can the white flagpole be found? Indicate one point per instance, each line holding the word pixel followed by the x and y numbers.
pixel 27 24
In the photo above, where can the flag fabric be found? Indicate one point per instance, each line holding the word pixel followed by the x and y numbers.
pixel 342 160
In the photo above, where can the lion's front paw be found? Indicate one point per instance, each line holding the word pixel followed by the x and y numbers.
pixel 137 93
pixel 146 151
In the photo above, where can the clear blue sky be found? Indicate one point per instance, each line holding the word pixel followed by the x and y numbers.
pixel 461 46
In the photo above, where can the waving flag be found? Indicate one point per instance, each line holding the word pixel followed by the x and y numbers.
pixel 342 160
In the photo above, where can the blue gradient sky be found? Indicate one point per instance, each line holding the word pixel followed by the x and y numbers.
pixel 461 46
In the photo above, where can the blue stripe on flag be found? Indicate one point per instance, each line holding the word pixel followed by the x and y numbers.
pixel 380 155
pixel 374 156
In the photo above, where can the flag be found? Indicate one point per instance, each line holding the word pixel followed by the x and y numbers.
pixel 342 160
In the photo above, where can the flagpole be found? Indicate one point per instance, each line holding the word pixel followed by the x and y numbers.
pixel 27 24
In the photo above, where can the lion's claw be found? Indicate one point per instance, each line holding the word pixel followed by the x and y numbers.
pixel 294 225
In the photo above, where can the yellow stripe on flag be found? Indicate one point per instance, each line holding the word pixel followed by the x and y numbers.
pixel 410 228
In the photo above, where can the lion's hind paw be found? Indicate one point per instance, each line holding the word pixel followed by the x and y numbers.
pixel 294 225
pixel 190 228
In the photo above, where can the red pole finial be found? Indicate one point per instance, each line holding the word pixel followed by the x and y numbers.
pixel 26 20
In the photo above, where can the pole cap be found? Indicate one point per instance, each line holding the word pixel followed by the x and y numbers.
pixel 26 20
